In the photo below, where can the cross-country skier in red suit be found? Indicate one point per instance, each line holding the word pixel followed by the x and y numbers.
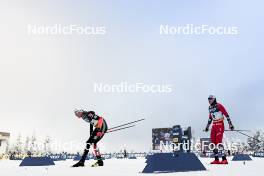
pixel 96 135
pixel 217 114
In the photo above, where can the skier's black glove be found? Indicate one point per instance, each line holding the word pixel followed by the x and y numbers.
pixel 206 128
pixel 208 125
pixel 231 126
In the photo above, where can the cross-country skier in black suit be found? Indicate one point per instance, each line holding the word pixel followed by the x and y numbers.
pixel 96 135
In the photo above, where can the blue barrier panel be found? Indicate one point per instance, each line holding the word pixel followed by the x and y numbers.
pixel 241 157
pixel 259 154
pixel 172 162
pixel 37 161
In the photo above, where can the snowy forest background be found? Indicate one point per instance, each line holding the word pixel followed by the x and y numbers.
pixel 31 145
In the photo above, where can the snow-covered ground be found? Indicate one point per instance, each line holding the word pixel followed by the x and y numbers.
pixel 132 167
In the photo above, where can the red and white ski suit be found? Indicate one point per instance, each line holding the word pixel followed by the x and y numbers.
pixel 217 113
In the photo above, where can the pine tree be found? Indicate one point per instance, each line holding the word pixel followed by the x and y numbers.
pixel 47 142
pixel 256 143
pixel 33 145
pixel 18 145
pixel 27 145
pixel 7 147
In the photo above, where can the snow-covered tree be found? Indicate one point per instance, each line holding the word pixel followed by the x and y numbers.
pixel 27 144
pixel 256 143
pixel 33 149
pixel 7 147
pixel 18 145
pixel 242 147
pixel 47 142
pixel 261 144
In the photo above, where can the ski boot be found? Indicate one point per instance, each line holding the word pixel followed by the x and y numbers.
pixel 98 163
pixel 215 162
pixel 79 164
pixel 224 160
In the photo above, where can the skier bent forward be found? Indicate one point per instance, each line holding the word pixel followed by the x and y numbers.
pixel 96 135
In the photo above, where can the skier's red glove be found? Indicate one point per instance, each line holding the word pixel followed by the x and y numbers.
pixel 99 134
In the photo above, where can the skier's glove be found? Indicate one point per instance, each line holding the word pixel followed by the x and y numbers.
pixel 206 128
pixel 208 125
pixel 99 134
pixel 231 126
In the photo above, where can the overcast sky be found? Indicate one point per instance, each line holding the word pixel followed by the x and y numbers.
pixel 45 77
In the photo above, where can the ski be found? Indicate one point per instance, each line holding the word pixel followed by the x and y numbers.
pixel 126 124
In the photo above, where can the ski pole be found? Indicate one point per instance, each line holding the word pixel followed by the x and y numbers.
pixel 112 130
pixel 125 124
pixel 235 130
pixel 239 130
pixel 249 136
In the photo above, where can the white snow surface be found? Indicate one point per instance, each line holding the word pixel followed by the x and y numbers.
pixel 129 167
